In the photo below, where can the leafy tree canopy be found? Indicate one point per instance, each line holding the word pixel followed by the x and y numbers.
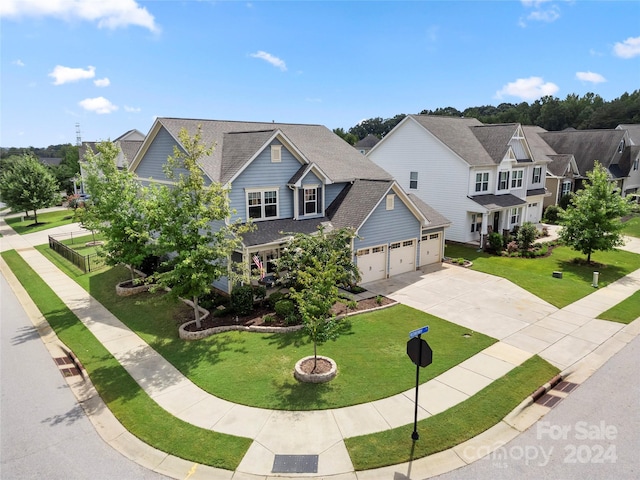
pixel 591 221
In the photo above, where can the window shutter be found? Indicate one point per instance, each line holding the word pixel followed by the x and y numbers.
pixel 319 208
pixel 301 202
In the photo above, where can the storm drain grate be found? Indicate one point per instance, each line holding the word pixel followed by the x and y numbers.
pixel 548 400
pixel 565 386
pixel 295 464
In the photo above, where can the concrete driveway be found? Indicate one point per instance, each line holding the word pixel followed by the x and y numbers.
pixel 481 302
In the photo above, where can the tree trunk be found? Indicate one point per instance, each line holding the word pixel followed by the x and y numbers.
pixel 35 217
pixel 132 272
pixel 315 356
pixel 196 312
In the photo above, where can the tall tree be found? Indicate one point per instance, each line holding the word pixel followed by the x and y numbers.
pixel 27 184
pixel 191 221
pixel 591 221
pixel 119 208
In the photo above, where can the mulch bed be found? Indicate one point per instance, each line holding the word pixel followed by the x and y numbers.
pixel 184 313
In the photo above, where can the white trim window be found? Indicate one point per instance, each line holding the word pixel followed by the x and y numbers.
pixel 566 188
pixel 476 222
pixel 262 204
pixel 413 180
pixel 310 200
pixel 503 180
pixel 537 175
pixel 516 178
pixel 482 181
pixel 515 216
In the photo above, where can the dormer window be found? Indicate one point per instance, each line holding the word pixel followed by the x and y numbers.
pixel 310 200
pixel 621 146
pixel 276 153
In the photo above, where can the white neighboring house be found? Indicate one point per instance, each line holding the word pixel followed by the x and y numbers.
pixel 483 178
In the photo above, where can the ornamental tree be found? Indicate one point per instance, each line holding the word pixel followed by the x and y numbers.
pixel 26 184
pixel 119 208
pixel 315 265
pixel 591 221
pixel 190 221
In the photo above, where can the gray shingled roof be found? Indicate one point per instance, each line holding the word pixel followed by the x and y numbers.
pixel 456 133
pixel 559 164
pixel 536 191
pixel 587 146
pixel 272 231
pixel 634 131
pixel 540 150
pixel 238 148
pixel 436 219
pixel 491 201
pixel 339 160
pixel 129 149
pixel 369 141
pixel 495 139
pixel 352 205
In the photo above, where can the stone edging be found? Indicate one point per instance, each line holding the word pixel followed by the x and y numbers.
pixel 187 335
pixel 315 377
pixel 128 291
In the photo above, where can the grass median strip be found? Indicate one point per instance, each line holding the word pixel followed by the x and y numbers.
pixel 453 426
pixel 125 398
pixel 624 312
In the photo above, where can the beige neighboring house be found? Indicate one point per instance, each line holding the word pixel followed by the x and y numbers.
pixel 128 144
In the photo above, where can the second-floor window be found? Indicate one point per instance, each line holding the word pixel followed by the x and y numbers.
pixel 310 200
pixel 262 204
pixel 503 180
pixel 537 175
pixel 482 182
pixel 413 180
pixel 516 178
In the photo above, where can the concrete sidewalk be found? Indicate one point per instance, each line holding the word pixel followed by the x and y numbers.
pixel 525 325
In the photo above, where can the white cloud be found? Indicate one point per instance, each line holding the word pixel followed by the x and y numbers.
pixel 267 57
pixel 530 88
pixel 628 49
pixel 63 75
pixel 110 14
pixel 590 77
pixel 18 62
pixel 98 105
pixel 129 109
pixel 102 82
pixel 543 11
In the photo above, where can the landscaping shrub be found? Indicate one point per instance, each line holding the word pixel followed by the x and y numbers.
pixel 495 242
pixel 286 309
pixel 551 214
pixel 212 300
pixel 564 201
pixel 242 299
pixel 512 247
pixel 260 293
pixel 526 236
pixel 274 298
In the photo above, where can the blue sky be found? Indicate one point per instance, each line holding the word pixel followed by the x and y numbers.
pixel 116 65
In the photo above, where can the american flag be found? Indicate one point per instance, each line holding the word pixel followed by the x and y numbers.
pixel 256 260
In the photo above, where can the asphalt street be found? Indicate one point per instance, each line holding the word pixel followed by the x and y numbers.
pixel 45 433
pixel 593 434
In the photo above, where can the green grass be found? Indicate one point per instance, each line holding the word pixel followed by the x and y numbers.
pixel 453 426
pixel 535 274
pixel 370 353
pixel 129 403
pixel 632 227
pixel 46 220
pixel 624 312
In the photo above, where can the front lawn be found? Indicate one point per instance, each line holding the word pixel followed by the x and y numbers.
pixel 371 352
pixel 632 227
pixel 46 220
pixel 131 405
pixel 535 274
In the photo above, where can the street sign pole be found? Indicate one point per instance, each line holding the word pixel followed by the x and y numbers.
pixel 415 436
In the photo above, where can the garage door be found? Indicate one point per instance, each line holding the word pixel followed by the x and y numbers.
pixel 430 248
pixel 402 257
pixel 372 263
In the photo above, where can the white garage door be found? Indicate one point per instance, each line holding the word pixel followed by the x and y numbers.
pixel 372 263
pixel 430 248
pixel 402 257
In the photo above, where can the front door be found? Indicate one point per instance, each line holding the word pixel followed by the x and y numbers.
pixel 496 222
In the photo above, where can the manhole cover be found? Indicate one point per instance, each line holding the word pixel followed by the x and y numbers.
pixel 295 464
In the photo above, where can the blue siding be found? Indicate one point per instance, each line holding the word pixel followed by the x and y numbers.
pixel 311 179
pixel 331 192
pixel 263 173
pixel 387 226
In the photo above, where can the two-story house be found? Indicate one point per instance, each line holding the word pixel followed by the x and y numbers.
pixel 290 178
pixel 483 178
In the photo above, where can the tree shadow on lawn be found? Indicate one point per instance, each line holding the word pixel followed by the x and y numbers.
pixel 583 271
pixel 295 395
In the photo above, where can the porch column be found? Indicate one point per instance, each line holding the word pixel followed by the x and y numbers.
pixel 483 229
